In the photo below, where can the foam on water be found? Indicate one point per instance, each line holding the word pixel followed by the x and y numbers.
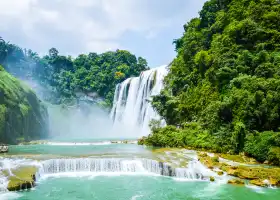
pixel 78 143
pixel 136 197
pixel 9 195
pixel 255 188
pixel 3 183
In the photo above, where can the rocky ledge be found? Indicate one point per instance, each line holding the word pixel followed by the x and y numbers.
pixel 264 176
pixel 4 148
pixel 21 178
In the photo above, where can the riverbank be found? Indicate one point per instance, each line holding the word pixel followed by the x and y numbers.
pixel 245 169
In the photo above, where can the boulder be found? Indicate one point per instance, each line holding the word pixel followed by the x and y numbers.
pixel 4 148
pixel 236 182
pixel 22 178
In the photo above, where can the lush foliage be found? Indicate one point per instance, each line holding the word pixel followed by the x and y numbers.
pixel 68 78
pixel 226 80
pixel 22 115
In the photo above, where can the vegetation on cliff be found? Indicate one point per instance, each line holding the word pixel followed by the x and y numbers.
pixel 223 89
pixel 22 114
pixel 65 78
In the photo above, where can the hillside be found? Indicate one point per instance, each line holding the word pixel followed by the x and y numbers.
pixel 222 91
pixel 22 115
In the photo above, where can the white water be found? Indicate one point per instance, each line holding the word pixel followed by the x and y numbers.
pixel 79 167
pixel 78 143
pixel 132 110
pixel 100 166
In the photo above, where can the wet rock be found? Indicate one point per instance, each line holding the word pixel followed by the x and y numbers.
pixel 170 171
pixel 274 182
pixel 161 168
pixel 258 182
pixel 4 148
pixel 22 178
pixel 236 182
pixel 265 182
pixel 220 173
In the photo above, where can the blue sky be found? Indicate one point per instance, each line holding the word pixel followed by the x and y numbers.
pixel 144 27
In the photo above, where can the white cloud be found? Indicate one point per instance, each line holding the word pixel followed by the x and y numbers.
pixel 83 25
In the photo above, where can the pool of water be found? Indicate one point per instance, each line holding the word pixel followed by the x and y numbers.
pixel 139 187
pixel 78 149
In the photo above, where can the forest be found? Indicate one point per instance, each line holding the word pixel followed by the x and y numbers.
pixel 65 77
pixel 222 92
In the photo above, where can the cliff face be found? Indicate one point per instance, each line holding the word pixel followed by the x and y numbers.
pixel 23 116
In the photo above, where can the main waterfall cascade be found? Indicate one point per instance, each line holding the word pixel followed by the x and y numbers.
pixel 132 108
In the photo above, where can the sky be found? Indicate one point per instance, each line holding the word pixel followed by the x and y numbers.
pixel 146 28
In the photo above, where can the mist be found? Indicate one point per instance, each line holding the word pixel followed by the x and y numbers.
pixel 77 115
pixel 79 121
pixel 84 119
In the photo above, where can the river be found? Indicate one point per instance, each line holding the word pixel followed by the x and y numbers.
pixel 104 170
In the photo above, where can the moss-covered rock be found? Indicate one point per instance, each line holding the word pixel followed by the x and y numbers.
pixel 212 179
pixel 23 178
pixel 239 158
pixel 254 173
pixel 258 175
pixel 220 173
pixel 210 162
pixel 259 182
pixel 22 115
pixel 236 182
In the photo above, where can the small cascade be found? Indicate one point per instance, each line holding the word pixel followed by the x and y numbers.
pixel 132 108
pixel 90 165
pixel 119 165
pixel 3 183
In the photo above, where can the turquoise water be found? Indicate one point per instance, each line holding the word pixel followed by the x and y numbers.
pixel 141 188
pixel 79 150
pixel 117 186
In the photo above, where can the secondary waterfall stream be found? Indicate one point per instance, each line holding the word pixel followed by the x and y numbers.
pixel 132 108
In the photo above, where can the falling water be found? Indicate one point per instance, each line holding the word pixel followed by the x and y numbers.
pixel 118 165
pixel 132 108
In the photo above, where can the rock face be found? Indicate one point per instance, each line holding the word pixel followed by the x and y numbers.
pixel 23 116
pixel 3 148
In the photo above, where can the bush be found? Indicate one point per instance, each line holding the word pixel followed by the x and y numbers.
pixel 274 156
pixel 263 146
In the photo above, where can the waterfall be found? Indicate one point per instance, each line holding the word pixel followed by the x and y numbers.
pixel 3 183
pixel 105 166
pixel 132 108
pixel 119 165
